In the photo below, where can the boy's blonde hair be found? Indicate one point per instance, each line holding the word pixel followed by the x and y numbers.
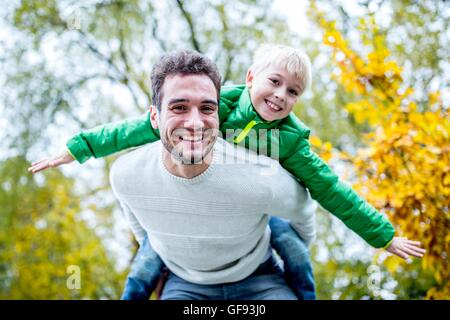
pixel 295 61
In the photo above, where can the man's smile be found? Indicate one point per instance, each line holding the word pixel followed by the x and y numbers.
pixel 191 138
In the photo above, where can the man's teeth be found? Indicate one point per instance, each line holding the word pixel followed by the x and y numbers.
pixel 273 105
pixel 191 139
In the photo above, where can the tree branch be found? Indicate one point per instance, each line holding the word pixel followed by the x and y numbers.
pixel 97 52
pixel 226 43
pixel 155 27
pixel 58 100
pixel 128 72
pixel 188 19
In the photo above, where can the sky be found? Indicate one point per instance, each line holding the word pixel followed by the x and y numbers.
pixel 295 12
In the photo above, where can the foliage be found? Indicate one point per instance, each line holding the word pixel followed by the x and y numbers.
pixel 42 234
pixel 404 170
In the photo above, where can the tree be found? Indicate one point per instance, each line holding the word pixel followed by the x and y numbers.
pixel 404 168
pixel 47 249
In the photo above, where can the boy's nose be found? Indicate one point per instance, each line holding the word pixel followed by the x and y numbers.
pixel 279 94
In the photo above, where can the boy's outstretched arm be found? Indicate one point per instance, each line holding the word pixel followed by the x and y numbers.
pixel 110 138
pixel 52 162
pixel 404 248
pixel 342 201
pixel 102 141
pixel 113 137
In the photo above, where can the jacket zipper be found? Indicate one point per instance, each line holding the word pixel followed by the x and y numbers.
pixel 245 132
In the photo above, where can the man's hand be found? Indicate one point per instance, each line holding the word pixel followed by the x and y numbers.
pixel 56 161
pixel 404 248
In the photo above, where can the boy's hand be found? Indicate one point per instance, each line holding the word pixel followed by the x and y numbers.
pixel 56 161
pixel 404 248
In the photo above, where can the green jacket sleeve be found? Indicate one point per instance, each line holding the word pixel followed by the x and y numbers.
pixel 113 137
pixel 107 139
pixel 337 197
pixel 229 96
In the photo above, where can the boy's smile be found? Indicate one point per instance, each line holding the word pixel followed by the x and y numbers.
pixel 273 106
pixel 273 92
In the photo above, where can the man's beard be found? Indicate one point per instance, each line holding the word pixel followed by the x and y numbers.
pixel 193 159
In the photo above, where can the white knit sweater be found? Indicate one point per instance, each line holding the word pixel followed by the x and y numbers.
pixel 212 228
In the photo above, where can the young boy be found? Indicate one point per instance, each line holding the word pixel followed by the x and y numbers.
pixel 274 82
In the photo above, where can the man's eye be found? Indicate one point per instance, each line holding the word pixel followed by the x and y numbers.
pixel 208 109
pixel 179 108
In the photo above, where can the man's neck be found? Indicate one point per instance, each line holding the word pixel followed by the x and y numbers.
pixel 187 171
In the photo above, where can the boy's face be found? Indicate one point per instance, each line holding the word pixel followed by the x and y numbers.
pixel 273 92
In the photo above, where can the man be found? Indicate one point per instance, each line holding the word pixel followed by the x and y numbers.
pixel 204 203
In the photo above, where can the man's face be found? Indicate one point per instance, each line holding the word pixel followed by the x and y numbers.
pixel 273 92
pixel 188 121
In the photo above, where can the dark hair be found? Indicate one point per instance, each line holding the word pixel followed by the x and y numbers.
pixel 183 62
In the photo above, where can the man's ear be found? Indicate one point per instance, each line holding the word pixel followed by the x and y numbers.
pixel 154 116
pixel 249 78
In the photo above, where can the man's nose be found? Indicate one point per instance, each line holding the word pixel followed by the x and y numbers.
pixel 194 120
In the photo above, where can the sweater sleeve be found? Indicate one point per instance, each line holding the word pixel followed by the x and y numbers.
pixel 338 197
pixel 137 229
pixel 107 139
pixel 292 201
pixel 305 224
pixel 116 178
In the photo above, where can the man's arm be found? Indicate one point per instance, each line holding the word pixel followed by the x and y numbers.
pixel 292 201
pixel 118 180
pixel 305 224
pixel 137 229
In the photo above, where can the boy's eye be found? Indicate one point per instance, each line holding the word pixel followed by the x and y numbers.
pixel 274 81
pixel 293 92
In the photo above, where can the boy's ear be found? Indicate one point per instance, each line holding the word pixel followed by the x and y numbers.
pixel 249 78
pixel 154 116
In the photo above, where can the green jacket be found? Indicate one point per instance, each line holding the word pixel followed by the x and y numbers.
pixel 236 112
